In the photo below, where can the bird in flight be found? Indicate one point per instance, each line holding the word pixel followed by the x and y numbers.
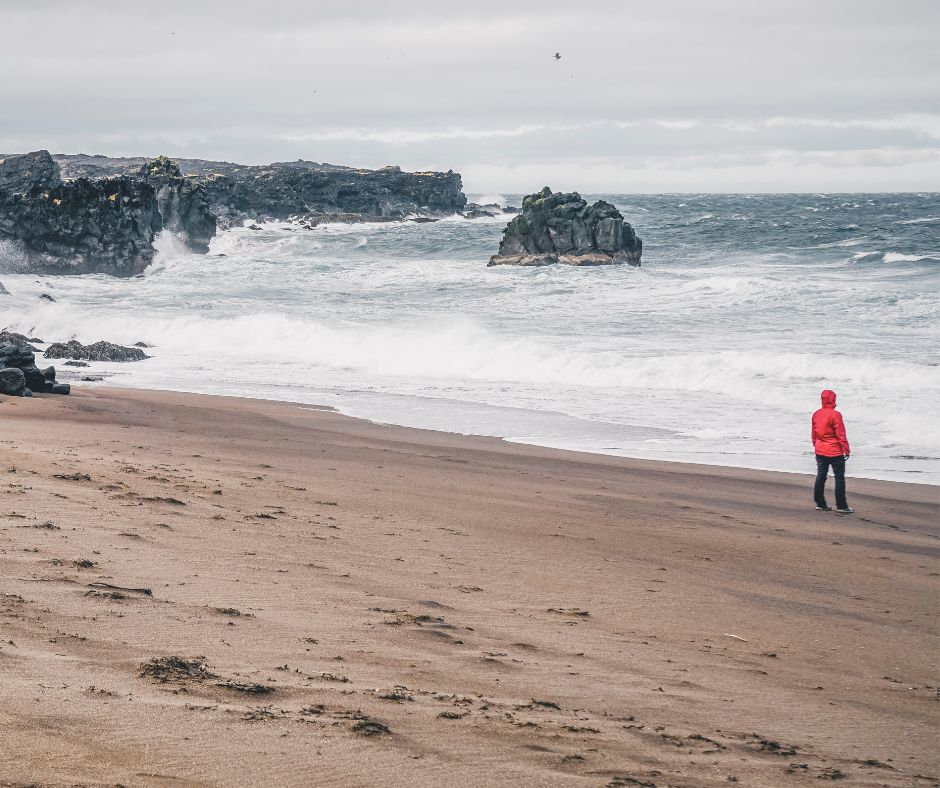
pixel 558 56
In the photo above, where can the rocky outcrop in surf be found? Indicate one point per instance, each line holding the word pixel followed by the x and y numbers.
pixel 562 228
pixel 97 351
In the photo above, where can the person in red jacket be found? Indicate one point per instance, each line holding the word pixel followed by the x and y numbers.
pixel 832 450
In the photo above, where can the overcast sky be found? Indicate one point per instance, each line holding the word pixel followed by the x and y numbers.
pixel 652 96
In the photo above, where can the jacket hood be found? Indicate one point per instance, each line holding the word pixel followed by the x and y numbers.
pixel 828 399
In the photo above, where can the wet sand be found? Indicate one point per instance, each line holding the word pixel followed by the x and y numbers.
pixel 213 591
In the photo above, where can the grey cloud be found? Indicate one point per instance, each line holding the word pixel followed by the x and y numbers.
pixel 426 84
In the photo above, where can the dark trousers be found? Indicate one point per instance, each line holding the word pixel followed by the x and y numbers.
pixel 822 470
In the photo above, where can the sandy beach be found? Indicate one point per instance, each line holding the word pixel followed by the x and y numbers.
pixel 202 591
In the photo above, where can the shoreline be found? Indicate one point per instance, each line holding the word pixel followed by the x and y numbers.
pixel 214 590
pixel 583 454
pixel 339 409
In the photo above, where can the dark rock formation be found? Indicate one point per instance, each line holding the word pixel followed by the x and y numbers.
pixel 314 219
pixel 76 227
pixel 22 174
pixel 92 214
pixel 13 382
pixel 182 203
pixel 291 189
pixel 105 225
pixel 473 210
pixel 563 228
pixel 3 290
pixel 17 353
pixel 99 351
pixel 297 189
pixel 21 339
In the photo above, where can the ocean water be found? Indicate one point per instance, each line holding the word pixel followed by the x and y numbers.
pixel 714 351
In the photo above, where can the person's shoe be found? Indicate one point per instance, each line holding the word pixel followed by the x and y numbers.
pixel 823 508
pixel 846 510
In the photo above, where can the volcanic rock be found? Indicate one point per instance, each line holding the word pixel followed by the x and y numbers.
pixel 474 211
pixel 92 214
pixel 283 190
pixel 98 351
pixel 12 336
pixel 182 203
pixel 563 228
pixel 13 382
pixel 76 227
pixel 24 173
pixel 16 352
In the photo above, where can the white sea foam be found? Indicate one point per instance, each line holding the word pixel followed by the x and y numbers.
pixel 12 256
pixel 922 220
pixel 897 257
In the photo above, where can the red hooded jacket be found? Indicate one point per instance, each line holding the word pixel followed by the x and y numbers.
pixel 828 432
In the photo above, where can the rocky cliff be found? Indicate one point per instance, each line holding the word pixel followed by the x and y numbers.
pixel 563 228
pixel 93 214
pixel 75 227
pixel 297 189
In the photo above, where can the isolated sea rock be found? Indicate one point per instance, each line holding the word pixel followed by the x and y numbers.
pixel 75 227
pixel 98 351
pixel 3 290
pixel 562 228
pixel 182 203
pixel 473 210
